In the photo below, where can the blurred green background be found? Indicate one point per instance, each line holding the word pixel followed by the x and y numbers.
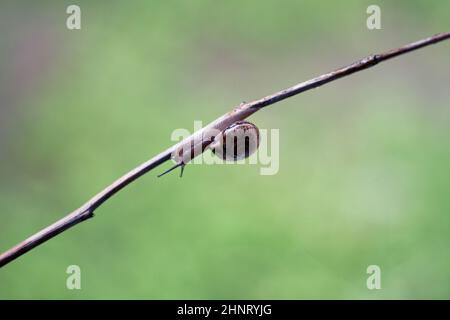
pixel 364 162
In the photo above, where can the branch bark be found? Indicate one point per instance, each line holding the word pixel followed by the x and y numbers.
pixel 239 113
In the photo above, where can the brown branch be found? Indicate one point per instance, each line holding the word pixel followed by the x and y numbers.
pixel 239 113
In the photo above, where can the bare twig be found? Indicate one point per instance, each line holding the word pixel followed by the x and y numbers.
pixel 239 113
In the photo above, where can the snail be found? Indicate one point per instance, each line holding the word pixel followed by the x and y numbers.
pixel 238 141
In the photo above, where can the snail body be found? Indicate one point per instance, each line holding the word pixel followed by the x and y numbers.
pixel 236 142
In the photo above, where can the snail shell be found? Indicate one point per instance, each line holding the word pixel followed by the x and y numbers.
pixel 237 142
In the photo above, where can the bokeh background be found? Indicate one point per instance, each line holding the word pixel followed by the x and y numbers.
pixel 364 162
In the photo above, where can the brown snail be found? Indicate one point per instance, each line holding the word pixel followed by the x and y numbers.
pixel 238 141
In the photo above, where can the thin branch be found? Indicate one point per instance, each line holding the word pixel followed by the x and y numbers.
pixel 239 113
